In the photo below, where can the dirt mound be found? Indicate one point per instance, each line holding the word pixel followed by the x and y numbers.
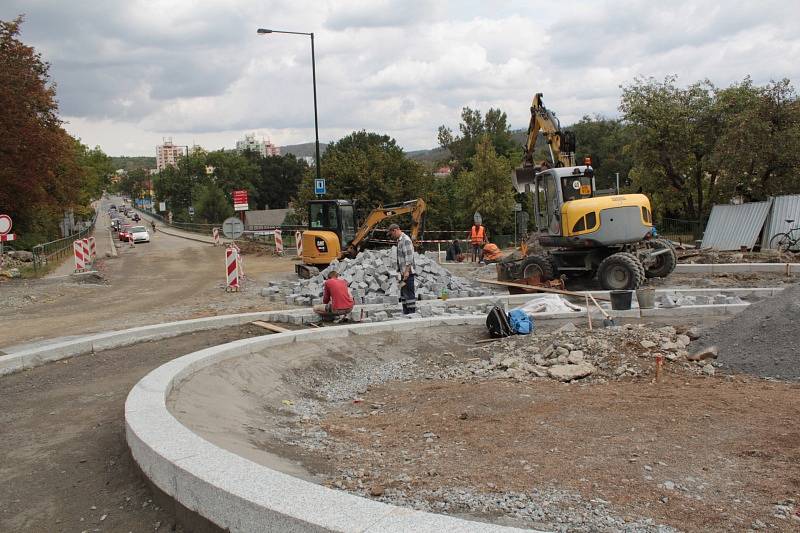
pixel 706 256
pixel 762 339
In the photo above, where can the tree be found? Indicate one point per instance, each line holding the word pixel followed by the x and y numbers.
pixel 212 204
pixel 369 168
pixel 487 187
pixel 604 140
pixel 278 181
pixel 473 128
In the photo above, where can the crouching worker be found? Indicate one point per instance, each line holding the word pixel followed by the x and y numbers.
pixel 336 298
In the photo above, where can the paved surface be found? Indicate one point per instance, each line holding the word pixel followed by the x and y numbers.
pixel 65 463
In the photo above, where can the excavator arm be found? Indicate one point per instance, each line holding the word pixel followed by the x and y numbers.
pixel 560 143
pixel 415 207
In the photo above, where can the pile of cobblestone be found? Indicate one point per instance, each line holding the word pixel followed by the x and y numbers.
pixel 680 300
pixel 372 277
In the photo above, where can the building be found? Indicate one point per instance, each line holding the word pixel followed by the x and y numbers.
pixel 263 146
pixel 167 154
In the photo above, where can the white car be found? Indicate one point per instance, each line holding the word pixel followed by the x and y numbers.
pixel 139 234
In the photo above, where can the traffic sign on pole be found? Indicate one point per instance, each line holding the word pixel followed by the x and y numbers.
pixel 240 200
pixel 319 186
pixel 5 224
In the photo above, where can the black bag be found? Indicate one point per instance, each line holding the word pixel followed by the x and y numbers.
pixel 497 323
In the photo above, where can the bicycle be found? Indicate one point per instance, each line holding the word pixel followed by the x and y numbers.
pixel 784 242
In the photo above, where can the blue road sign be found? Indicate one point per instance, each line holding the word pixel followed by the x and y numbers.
pixel 319 186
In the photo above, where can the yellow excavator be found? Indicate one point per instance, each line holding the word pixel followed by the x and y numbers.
pixel 583 234
pixel 332 232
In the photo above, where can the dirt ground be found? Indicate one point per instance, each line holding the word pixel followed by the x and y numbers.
pixel 65 465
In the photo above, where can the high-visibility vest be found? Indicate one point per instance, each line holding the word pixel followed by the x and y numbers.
pixel 476 234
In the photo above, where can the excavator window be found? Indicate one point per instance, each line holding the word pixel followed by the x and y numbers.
pixel 348 223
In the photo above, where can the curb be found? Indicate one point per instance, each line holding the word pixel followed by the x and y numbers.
pixel 733 268
pixel 239 495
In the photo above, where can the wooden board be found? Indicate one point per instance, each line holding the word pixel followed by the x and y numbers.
pixel 533 288
pixel 271 327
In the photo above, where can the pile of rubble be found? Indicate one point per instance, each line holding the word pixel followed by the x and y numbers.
pixel 372 277
pixel 679 300
pixel 572 353
pixel 12 261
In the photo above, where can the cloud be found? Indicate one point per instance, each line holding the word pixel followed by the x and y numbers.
pixel 129 73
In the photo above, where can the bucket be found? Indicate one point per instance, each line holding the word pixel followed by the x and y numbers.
pixel 646 298
pixel 621 300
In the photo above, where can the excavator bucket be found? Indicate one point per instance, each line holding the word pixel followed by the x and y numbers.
pixel 524 179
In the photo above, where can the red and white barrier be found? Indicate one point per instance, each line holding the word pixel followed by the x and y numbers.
pixel 231 269
pixel 130 239
pixel 215 235
pixel 240 260
pixel 87 252
pixel 80 258
pixel 298 239
pixel 92 248
pixel 278 242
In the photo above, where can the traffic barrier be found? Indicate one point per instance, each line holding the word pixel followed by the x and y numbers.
pixel 298 239
pixel 215 234
pixel 278 242
pixel 92 248
pixel 239 260
pixel 87 252
pixel 231 269
pixel 80 259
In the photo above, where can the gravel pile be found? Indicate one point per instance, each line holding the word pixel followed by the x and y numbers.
pixel 372 279
pixel 762 339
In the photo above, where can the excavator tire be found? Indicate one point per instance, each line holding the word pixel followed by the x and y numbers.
pixel 539 265
pixel 620 271
pixel 665 263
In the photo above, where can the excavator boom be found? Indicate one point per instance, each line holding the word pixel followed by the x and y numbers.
pixel 415 207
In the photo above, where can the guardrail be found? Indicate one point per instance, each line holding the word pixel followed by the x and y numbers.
pixel 48 251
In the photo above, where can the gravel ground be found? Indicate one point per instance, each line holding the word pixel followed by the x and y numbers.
pixel 761 340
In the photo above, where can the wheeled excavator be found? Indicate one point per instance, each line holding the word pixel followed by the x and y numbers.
pixel 582 234
pixel 332 232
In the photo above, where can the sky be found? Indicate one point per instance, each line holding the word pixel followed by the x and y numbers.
pixel 130 73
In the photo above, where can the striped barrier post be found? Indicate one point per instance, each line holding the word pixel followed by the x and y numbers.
pixel 298 239
pixel 231 269
pixel 215 235
pixel 92 248
pixel 278 242
pixel 80 260
pixel 239 261
pixel 130 239
pixel 87 253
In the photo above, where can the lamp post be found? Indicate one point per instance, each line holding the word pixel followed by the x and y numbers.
pixel 264 31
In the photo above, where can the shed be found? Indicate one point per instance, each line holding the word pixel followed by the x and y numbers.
pixel 730 227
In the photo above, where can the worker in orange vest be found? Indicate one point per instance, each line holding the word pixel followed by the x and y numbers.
pixel 477 237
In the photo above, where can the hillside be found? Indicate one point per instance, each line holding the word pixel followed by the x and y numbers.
pixel 128 163
pixel 303 150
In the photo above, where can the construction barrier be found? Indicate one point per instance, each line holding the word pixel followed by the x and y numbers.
pixel 80 258
pixel 215 234
pixel 278 242
pixel 87 251
pixel 92 248
pixel 231 269
pixel 240 261
pixel 298 239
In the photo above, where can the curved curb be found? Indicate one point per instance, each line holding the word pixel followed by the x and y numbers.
pixel 239 495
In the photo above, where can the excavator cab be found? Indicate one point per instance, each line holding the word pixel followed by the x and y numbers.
pixel 332 227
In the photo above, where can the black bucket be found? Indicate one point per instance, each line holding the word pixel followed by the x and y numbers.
pixel 621 300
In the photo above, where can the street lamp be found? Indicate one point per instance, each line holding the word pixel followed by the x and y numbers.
pixel 263 31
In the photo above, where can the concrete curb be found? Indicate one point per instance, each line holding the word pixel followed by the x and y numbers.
pixel 733 268
pixel 239 495
pixel 30 356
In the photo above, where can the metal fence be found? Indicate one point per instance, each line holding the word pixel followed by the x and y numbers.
pixel 49 251
pixel 681 231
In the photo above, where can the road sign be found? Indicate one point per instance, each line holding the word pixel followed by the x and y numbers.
pixel 4 237
pixel 5 224
pixel 240 202
pixel 517 207
pixel 319 186
pixel 191 211
pixel 232 228
pixel 162 206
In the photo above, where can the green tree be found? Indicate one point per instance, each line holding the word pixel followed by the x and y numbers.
pixel 279 180
pixel 604 140
pixel 487 188
pixel 473 127
pixel 211 204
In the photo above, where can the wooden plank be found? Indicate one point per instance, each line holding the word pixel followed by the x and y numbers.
pixel 534 288
pixel 271 327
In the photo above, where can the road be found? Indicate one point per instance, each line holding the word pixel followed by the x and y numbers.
pixel 171 278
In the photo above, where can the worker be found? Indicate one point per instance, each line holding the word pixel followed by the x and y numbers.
pixel 491 253
pixel 477 238
pixel 405 268
pixel 336 298
pixel 453 251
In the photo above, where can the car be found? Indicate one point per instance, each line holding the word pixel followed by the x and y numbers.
pixel 124 232
pixel 139 234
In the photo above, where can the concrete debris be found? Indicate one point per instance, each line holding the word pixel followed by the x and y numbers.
pixel 372 277
pixel 679 300
pixel 571 372
pixel 706 353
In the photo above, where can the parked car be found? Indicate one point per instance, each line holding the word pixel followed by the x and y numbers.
pixel 140 234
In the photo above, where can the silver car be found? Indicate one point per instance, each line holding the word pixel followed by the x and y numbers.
pixel 139 234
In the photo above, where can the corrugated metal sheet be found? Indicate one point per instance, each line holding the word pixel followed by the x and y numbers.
pixel 732 226
pixel 783 208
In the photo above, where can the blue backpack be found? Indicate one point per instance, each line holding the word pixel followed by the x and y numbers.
pixel 521 322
